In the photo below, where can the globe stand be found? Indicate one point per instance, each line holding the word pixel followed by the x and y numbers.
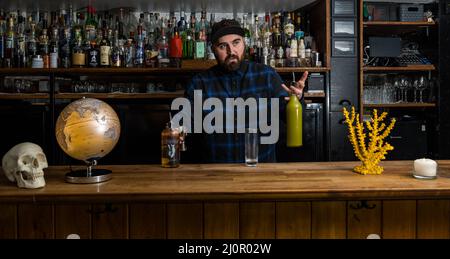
pixel 89 175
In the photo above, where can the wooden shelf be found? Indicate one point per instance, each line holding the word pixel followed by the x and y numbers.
pixel 134 71
pixel 19 96
pixel 400 105
pixel 397 23
pixel 314 95
pixel 302 69
pixel 407 68
pixel 155 95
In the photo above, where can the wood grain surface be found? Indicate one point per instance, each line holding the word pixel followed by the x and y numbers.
pixel 282 181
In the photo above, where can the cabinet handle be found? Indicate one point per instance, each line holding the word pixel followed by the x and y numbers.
pixel 108 209
pixel 345 103
pixel 362 205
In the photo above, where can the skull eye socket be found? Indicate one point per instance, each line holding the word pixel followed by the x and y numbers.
pixel 26 160
pixel 41 158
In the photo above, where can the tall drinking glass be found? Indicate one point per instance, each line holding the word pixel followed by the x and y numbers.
pixel 251 147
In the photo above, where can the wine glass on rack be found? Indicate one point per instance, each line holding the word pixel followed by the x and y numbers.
pixel 403 84
pixel 416 89
pixel 396 84
pixel 422 85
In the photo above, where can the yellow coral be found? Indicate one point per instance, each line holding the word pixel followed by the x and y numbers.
pixel 375 151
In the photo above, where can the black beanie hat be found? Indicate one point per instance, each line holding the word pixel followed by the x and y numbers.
pixel 226 27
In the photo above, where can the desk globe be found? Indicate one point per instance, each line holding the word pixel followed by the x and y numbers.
pixel 88 129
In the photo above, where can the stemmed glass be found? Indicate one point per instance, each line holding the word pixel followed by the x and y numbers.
pixel 422 85
pixel 397 89
pixel 403 84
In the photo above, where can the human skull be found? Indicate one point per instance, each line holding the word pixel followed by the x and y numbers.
pixel 24 164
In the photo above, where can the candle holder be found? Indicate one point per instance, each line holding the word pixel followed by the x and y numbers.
pixel 372 152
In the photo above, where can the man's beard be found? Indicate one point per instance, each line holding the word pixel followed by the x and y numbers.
pixel 234 65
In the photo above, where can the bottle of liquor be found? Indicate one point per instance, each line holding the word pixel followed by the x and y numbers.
pixel 44 49
pixel 10 37
pixel 65 49
pixel 90 26
pixel 54 49
pixel 170 147
pixel 129 53
pixel 288 26
pixel 140 51
pixel 116 52
pixel 255 52
pixel 175 49
pixel 20 56
pixel 247 37
pixel 93 55
pixel 200 43
pixel 2 42
pixel 78 51
pixel 294 117
pixel 151 54
pixel 105 50
pixel 301 49
pixel 163 47
pixel 188 43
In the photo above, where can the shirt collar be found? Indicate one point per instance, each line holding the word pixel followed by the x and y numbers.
pixel 239 72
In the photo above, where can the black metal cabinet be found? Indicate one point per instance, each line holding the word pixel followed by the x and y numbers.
pixel 444 79
pixel 340 147
pixel 343 85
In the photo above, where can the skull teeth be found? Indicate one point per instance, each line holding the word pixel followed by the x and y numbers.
pixel 30 176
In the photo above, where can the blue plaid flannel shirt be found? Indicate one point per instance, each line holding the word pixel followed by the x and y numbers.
pixel 250 80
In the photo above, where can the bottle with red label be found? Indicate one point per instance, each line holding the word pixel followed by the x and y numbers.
pixel 175 49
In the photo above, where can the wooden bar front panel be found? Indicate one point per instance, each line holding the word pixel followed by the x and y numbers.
pixel 328 219
pixel 221 220
pixel 35 221
pixel 433 219
pixel 73 219
pixel 148 220
pixel 363 219
pixel 8 221
pixel 293 220
pixel 399 219
pixel 257 220
pixel 109 221
pixel 185 220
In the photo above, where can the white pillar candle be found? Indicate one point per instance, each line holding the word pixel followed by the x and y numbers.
pixel 425 167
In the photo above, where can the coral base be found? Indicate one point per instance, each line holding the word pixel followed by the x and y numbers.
pixel 365 169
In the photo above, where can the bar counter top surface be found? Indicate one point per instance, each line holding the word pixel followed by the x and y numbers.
pixel 278 181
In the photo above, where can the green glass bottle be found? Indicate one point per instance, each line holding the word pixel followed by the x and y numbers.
pixel 294 117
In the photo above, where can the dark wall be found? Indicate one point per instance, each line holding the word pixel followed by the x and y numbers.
pixel 23 122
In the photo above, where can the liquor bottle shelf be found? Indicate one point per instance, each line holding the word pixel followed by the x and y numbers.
pixel 18 96
pixel 154 95
pixel 127 71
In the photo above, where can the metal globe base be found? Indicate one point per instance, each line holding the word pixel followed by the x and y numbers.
pixel 89 175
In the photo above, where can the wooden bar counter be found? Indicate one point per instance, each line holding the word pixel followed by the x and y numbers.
pixel 284 200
